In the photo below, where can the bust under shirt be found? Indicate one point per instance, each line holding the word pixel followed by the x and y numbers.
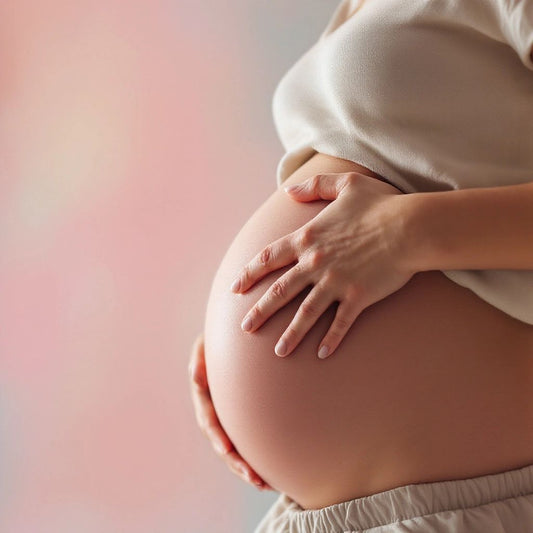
pixel 433 95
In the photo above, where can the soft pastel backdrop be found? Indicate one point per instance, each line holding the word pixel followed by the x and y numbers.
pixel 136 138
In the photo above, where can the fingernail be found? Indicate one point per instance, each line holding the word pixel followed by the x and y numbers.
pixel 246 324
pixel 291 188
pixel 323 352
pixel 236 285
pixel 281 347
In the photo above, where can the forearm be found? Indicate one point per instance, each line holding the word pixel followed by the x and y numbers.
pixel 481 228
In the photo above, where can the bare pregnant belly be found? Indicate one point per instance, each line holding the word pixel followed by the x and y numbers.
pixel 432 383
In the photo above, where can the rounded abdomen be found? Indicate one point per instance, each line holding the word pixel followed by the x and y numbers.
pixel 430 383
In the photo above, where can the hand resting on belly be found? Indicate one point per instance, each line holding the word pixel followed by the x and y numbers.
pixel 353 252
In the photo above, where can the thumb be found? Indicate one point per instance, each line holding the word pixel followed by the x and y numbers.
pixel 318 187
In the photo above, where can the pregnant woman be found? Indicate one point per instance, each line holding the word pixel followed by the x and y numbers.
pixel 384 381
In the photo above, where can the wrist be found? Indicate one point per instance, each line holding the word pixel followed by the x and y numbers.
pixel 418 247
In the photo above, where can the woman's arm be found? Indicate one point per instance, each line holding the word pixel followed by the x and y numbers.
pixel 371 239
pixel 481 228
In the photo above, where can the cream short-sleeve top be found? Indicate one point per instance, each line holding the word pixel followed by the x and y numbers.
pixel 433 95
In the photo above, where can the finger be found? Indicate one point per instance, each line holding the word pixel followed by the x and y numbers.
pixel 321 187
pixel 205 413
pixel 344 318
pixel 282 291
pixel 197 370
pixel 276 255
pixel 209 424
pixel 313 306
pixel 197 351
pixel 242 469
pixel 213 430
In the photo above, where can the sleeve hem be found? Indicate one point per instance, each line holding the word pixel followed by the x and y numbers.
pixel 520 26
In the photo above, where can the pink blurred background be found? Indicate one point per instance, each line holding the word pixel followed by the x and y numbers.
pixel 136 138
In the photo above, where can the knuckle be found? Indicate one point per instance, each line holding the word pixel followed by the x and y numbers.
pixel 315 182
pixel 290 334
pixel 309 309
pixel 240 471
pixel 196 375
pixel 330 277
pixel 256 313
pixel 351 178
pixel 244 275
pixel 306 236
pixel 354 292
pixel 279 289
pixel 316 258
pixel 218 446
pixel 300 271
pixel 341 325
pixel 233 468
pixel 265 256
pixel 203 425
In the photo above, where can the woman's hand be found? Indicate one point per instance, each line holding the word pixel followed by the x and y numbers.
pixel 207 418
pixel 352 252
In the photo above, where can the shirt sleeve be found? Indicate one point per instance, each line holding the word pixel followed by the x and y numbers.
pixel 518 28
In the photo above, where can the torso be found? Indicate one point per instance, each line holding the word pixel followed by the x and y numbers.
pixel 431 383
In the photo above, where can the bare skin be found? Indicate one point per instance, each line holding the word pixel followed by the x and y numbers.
pixel 432 383
pixel 208 421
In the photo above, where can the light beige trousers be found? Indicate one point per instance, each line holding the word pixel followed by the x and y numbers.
pixel 494 503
